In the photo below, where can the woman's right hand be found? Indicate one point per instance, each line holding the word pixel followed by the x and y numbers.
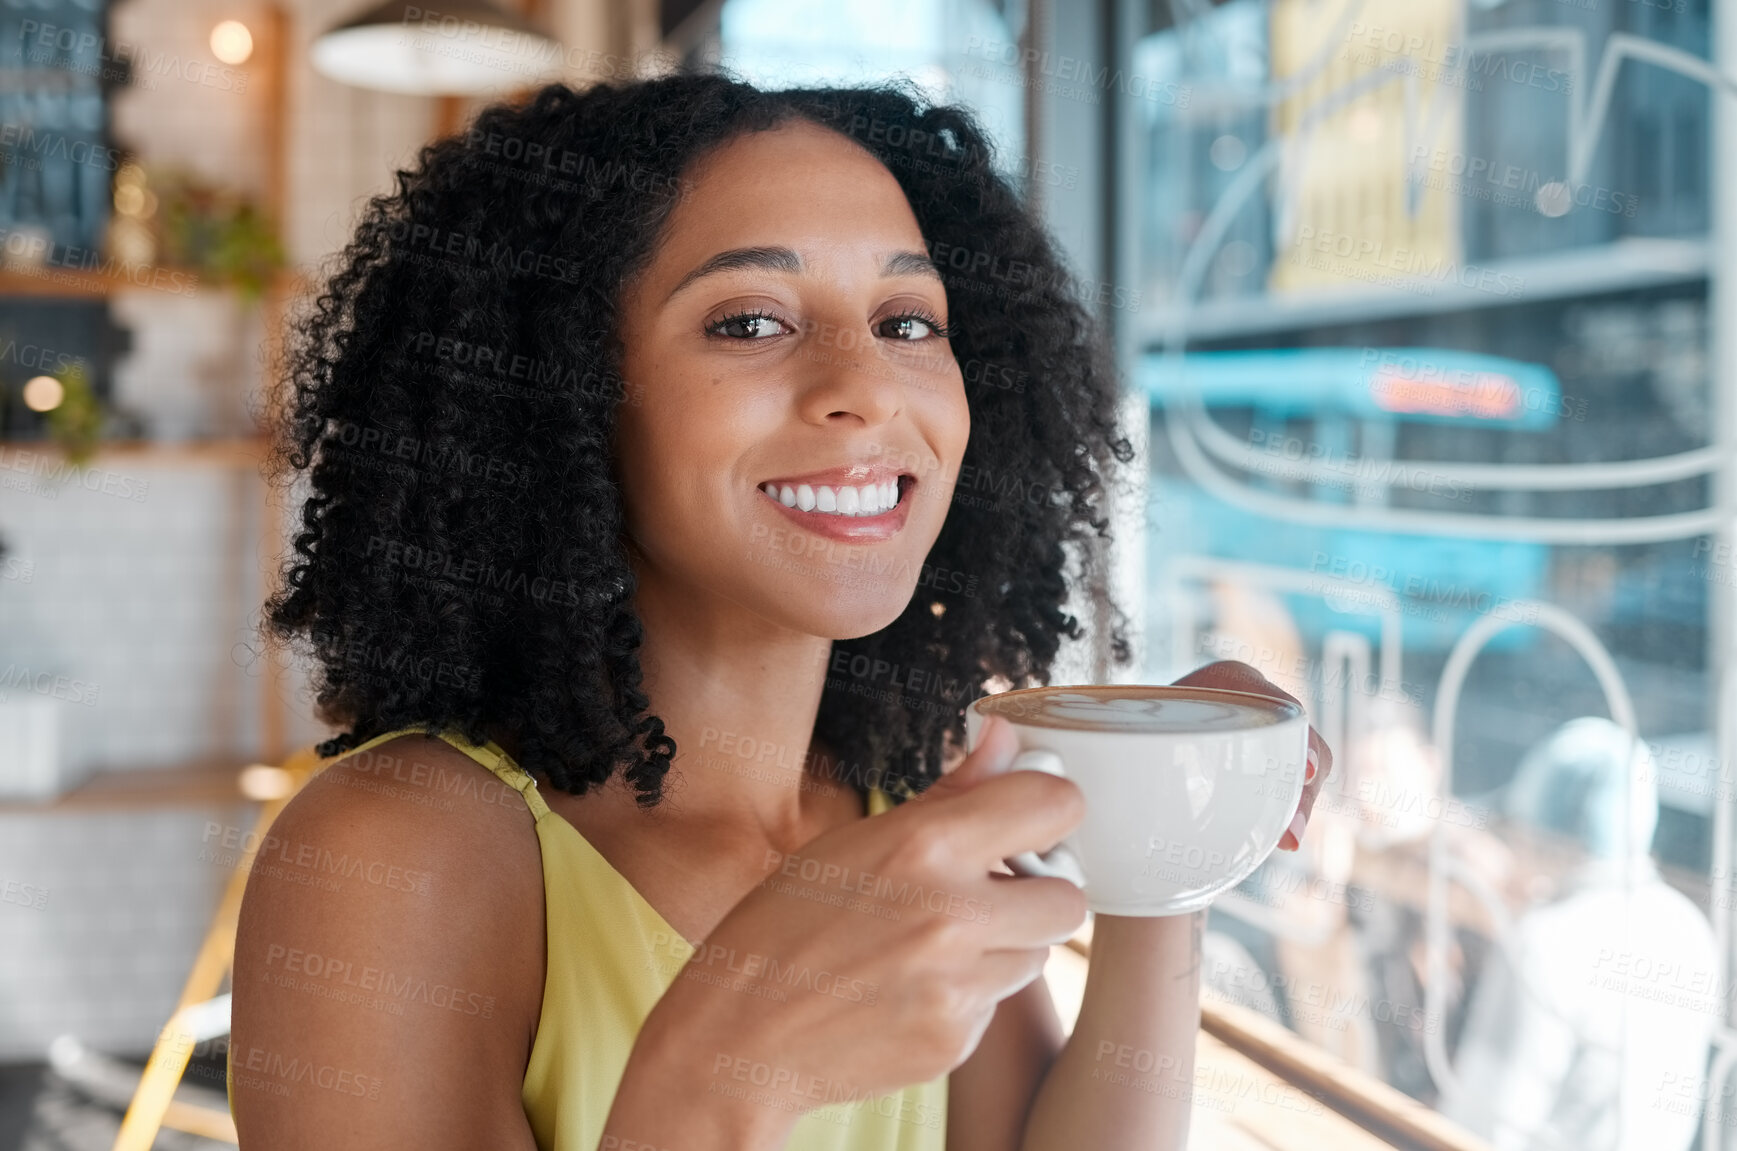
pixel 886 944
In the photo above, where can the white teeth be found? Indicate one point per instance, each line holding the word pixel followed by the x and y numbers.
pixel 867 500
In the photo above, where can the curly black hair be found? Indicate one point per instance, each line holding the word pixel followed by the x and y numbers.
pixel 451 391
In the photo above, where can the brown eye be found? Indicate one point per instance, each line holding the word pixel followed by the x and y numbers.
pixel 908 328
pixel 754 326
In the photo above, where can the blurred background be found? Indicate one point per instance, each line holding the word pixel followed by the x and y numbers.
pixel 1424 316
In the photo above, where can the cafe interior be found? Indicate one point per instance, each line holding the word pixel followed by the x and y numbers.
pixel 1412 305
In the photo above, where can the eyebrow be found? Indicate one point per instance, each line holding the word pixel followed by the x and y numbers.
pixel 786 260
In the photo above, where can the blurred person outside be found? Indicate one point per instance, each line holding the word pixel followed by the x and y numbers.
pixel 1589 1029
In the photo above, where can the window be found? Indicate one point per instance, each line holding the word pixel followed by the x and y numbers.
pixel 1438 444
pixel 956 51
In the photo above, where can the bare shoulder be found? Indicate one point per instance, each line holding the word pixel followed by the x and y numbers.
pixel 389 958
pixel 419 785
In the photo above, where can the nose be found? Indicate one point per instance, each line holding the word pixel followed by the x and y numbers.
pixel 845 380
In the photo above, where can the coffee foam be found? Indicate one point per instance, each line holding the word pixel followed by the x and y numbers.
pixel 1136 712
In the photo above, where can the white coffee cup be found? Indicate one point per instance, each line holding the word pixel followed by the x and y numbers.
pixel 1187 789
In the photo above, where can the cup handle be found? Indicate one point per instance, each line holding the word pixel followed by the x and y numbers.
pixel 1058 862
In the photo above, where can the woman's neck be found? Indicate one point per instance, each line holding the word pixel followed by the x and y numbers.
pixel 739 697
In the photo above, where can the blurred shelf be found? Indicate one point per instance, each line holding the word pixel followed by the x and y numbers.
pixel 52 282
pixel 234 451
pixel 1625 265
pixel 199 783
pixel 49 281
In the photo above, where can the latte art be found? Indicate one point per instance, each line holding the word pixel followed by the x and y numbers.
pixel 1129 709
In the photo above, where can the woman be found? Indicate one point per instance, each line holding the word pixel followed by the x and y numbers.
pixel 639 567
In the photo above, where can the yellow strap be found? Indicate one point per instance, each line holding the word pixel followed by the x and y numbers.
pixel 489 754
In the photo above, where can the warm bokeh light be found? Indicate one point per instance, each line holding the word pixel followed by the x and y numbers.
pixel 263 782
pixel 231 42
pixel 129 199
pixel 43 393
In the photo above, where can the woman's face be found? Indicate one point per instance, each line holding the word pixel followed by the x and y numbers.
pixel 784 338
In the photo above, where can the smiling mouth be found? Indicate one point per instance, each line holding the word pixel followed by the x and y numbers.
pixel 860 501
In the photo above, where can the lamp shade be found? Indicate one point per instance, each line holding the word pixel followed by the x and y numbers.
pixel 463 48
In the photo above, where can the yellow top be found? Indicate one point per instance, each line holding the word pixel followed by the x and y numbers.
pixel 610 957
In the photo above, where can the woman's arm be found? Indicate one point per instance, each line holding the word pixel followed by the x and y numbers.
pixel 990 1095
pixel 1120 1081
pixel 1124 1079
pixel 389 961
pixel 667 1098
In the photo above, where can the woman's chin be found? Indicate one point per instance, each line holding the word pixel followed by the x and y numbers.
pixel 840 615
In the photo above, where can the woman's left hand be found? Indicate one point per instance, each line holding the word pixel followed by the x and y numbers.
pixel 1229 675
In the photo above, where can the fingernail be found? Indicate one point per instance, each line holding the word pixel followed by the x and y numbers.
pixel 1295 831
pixel 1314 766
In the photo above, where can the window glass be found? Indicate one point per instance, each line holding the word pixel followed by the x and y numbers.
pixel 1434 448
pixel 956 51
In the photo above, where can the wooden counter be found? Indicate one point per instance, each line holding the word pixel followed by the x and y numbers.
pixel 1260 1087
